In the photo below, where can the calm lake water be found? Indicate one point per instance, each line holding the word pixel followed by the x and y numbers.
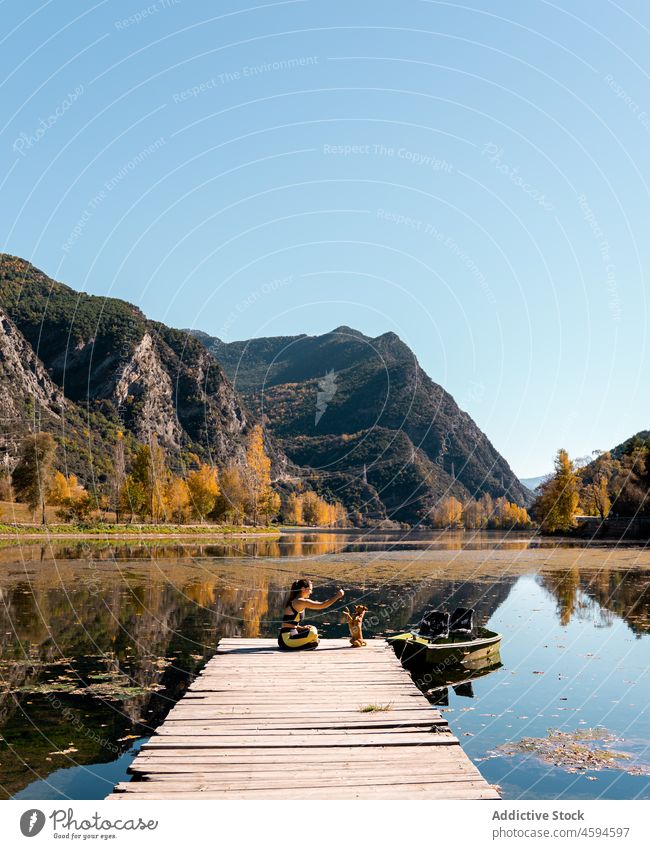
pixel 98 640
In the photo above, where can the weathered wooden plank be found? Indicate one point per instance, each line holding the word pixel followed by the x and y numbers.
pixel 196 726
pixel 247 772
pixel 289 782
pixel 236 733
pixel 207 731
pixel 479 790
pixel 197 712
pixel 340 755
pixel 306 741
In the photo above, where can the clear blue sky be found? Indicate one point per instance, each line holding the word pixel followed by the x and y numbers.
pixel 473 177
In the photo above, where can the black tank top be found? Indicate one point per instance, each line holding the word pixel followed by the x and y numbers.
pixel 292 619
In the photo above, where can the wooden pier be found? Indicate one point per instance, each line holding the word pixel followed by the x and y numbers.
pixel 259 723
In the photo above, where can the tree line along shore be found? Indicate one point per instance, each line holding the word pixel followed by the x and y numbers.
pixel 611 486
pixel 141 488
pixel 143 495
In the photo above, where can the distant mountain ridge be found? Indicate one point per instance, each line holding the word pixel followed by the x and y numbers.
pixel 383 422
pixel 533 483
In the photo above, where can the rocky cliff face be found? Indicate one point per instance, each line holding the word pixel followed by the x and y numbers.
pixel 27 394
pixel 113 369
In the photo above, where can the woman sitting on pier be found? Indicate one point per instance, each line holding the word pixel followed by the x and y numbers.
pixel 293 634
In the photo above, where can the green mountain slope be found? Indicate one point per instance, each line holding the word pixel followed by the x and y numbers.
pixel 347 404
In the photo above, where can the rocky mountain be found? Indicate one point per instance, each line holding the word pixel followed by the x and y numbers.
pixel 85 367
pixel 361 413
pixel 356 418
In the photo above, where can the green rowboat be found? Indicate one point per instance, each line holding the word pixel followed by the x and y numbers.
pixel 445 652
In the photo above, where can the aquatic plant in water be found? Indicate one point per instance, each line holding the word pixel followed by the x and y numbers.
pixel 575 751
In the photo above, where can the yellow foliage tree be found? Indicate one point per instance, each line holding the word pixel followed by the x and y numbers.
pixel 230 504
pixel 72 499
pixel 270 505
pixel 258 472
pixel 293 510
pixel 310 508
pixel 59 489
pixel 177 497
pixel 149 473
pixel 448 513
pixel 203 488
pixel 557 504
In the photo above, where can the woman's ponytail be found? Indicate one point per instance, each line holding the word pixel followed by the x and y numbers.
pixel 296 589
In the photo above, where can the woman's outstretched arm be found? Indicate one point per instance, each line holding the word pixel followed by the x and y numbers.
pixel 321 605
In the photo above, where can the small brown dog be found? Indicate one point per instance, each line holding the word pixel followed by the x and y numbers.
pixel 354 623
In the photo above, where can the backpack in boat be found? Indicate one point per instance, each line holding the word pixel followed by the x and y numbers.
pixel 434 624
pixel 462 622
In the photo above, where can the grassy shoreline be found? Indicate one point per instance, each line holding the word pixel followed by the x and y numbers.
pixel 10 530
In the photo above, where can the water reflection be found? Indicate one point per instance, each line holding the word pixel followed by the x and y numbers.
pixel 436 687
pixel 98 640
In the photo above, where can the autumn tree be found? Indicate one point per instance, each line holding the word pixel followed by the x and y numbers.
pixel 556 506
pixel 311 512
pixel 448 513
pixel 486 508
pixel 292 512
pixel 230 503
pixel 74 502
pixel 178 499
pixel 203 488
pixel 149 470
pixel 133 497
pixel 59 489
pixel 270 505
pixel 595 495
pixel 258 472
pixel 32 474
pixel 473 517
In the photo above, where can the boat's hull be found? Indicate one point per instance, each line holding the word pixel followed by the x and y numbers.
pixel 471 654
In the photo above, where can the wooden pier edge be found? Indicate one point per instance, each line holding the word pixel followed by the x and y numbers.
pixel 259 723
